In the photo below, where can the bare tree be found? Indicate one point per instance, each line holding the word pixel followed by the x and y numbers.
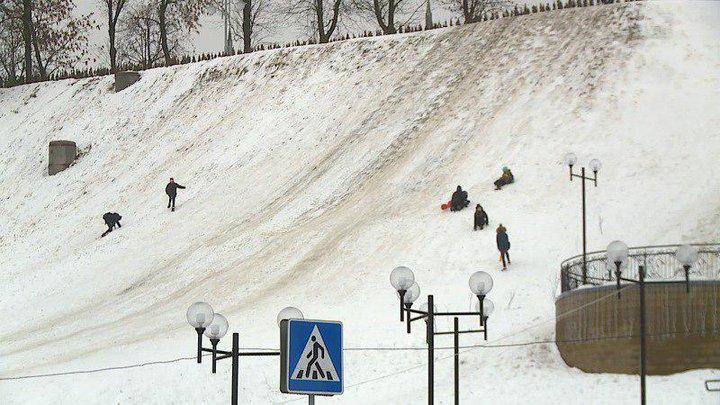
pixel 11 49
pixel 113 9
pixel 20 11
pixel 139 40
pixel 185 12
pixel 386 12
pixel 322 16
pixel 473 10
pixel 59 37
pixel 51 32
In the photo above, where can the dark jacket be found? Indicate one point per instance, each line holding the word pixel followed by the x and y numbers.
pixel 111 219
pixel 503 242
pixel 481 217
pixel 171 189
pixel 457 197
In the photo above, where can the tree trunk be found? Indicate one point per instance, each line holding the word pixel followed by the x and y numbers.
pixel 28 39
pixel 38 58
pixel 391 17
pixel 247 26
pixel 379 16
pixel 112 24
pixel 147 63
pixel 111 36
pixel 324 35
pixel 467 14
pixel 163 33
pixel 320 21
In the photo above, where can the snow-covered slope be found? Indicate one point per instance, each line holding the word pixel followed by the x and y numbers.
pixel 312 172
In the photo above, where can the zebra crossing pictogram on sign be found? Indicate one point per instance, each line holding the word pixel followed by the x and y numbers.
pixel 315 363
pixel 311 357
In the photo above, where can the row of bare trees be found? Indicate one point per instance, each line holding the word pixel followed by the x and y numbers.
pixel 40 38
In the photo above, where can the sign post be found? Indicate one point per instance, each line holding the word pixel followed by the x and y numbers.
pixel 311 358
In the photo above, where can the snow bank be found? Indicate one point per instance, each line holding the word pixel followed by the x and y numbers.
pixel 312 172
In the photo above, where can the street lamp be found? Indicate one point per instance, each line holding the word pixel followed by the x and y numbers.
pixel 403 281
pixel 215 331
pixel 289 313
pixel 201 316
pixel 595 165
pixel 402 278
pixel 480 284
pixel 687 255
pixel 617 254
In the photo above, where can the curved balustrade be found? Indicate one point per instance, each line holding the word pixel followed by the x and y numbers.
pixel 659 261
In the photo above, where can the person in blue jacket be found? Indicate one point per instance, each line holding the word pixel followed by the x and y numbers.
pixel 503 245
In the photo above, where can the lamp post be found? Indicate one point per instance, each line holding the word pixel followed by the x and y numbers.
pixel 403 280
pixel 201 316
pixel 595 165
pixel 617 254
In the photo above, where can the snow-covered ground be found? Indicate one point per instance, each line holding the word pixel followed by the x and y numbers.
pixel 312 172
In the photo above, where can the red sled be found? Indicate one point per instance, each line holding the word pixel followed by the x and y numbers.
pixel 445 205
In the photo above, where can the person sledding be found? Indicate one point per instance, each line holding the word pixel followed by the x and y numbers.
pixel 171 191
pixel 459 199
pixel 503 245
pixel 506 178
pixel 111 219
pixel 481 218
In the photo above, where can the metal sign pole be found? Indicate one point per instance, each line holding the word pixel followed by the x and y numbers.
pixel 311 399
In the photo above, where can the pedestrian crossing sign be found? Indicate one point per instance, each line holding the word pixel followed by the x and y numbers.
pixel 311 357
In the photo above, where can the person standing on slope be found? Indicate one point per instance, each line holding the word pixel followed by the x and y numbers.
pixel 481 218
pixel 171 191
pixel 503 245
pixel 111 219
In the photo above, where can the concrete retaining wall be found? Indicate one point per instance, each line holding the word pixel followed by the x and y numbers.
pixel 62 154
pixel 682 329
pixel 124 80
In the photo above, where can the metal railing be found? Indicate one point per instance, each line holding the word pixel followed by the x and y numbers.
pixel 659 261
pixel 715 388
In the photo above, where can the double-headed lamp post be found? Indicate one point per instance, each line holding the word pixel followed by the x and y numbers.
pixel 480 283
pixel 201 316
pixel 595 166
pixel 617 255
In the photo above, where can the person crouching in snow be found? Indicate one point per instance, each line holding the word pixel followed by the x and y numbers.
pixel 111 219
pixel 171 191
pixel 481 218
pixel 506 178
pixel 503 245
pixel 459 200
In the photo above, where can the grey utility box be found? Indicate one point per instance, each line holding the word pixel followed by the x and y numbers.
pixel 62 155
pixel 123 80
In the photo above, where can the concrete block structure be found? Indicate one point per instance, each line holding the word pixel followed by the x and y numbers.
pixel 598 332
pixel 124 80
pixel 62 154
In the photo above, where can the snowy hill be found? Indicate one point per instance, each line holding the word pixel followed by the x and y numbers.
pixel 312 172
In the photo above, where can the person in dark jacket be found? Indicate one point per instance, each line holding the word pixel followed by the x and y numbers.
pixel 459 199
pixel 503 245
pixel 481 218
pixel 506 178
pixel 111 220
pixel 171 191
